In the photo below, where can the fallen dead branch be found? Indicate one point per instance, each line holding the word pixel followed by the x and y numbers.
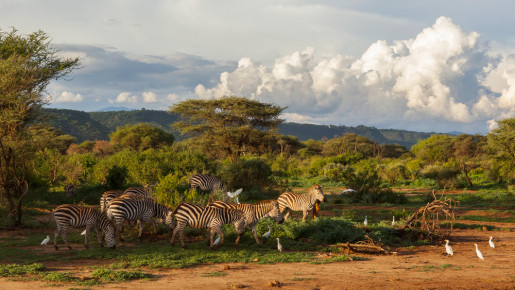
pixel 428 216
pixel 363 248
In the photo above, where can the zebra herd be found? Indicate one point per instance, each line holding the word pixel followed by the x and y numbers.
pixel 137 204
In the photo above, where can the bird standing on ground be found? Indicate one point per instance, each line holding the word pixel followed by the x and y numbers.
pixel 479 254
pixel 217 241
pixel 46 240
pixel 393 221
pixel 237 200
pixel 83 233
pixel 448 248
pixel 366 221
pixel 279 246
pixel 491 243
pixel 267 234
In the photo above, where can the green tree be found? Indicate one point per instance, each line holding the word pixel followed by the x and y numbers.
pixel 467 149
pixel 501 141
pixel 27 64
pixel 351 142
pixel 230 125
pixel 141 137
pixel 434 149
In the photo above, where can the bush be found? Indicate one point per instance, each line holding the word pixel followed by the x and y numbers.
pixel 116 177
pixel 165 192
pixel 246 174
pixel 443 176
pixel 369 188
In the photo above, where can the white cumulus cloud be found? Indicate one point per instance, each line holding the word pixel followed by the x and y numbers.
pixel 441 76
pixel 124 97
pixel 68 97
pixel 149 97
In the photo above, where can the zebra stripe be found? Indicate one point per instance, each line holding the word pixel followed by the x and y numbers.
pixel 206 182
pixel 253 212
pixel 141 191
pixel 290 201
pixel 70 189
pixel 79 216
pixel 137 208
pixel 106 198
pixel 202 217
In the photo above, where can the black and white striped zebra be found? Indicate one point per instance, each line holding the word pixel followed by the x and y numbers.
pixel 253 212
pixel 70 189
pixel 106 198
pixel 304 202
pixel 141 191
pixel 137 208
pixel 202 217
pixel 206 182
pixel 67 215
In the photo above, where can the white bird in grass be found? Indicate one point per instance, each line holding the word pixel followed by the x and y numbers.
pixel 491 243
pixel 234 194
pixel 366 221
pixel 267 234
pixel 448 248
pixel 217 241
pixel 347 190
pixel 393 221
pixel 237 200
pixel 46 240
pixel 479 254
pixel 279 246
pixel 83 233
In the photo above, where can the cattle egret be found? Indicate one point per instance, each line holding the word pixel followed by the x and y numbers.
pixel 267 234
pixel 83 233
pixel 366 221
pixel 46 240
pixel 491 243
pixel 217 241
pixel 279 246
pixel 448 248
pixel 234 194
pixel 348 190
pixel 237 200
pixel 393 221
pixel 479 254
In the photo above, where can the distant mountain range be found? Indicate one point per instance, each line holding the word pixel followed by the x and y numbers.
pixel 98 125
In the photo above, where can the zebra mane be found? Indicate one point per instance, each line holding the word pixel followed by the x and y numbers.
pixel 313 187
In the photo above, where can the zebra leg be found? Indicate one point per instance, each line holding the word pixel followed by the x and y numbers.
pixel 86 237
pixel 209 237
pixel 119 229
pixel 64 231
pixel 99 236
pixel 287 213
pixel 305 213
pixel 141 226
pixel 217 230
pixel 56 235
pixel 254 232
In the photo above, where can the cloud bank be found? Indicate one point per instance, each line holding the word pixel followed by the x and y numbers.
pixel 443 76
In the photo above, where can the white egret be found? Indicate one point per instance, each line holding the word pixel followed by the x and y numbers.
pixel 366 221
pixel 479 254
pixel 83 233
pixel 237 200
pixel 347 190
pixel 46 240
pixel 491 243
pixel 217 241
pixel 448 248
pixel 234 194
pixel 393 221
pixel 279 246
pixel 267 234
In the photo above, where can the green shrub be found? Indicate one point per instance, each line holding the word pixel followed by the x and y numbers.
pixel 165 192
pixel 116 177
pixel 106 274
pixel 11 270
pixel 246 174
pixel 369 188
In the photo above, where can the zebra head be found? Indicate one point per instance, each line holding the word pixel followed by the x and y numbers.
pixel 317 193
pixel 275 213
pixel 169 221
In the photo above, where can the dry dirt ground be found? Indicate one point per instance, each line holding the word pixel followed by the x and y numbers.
pixel 420 268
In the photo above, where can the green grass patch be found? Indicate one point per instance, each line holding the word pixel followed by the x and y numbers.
pixel 487 219
pixel 303 278
pixel 59 277
pixel 214 274
pixel 466 226
pixel 342 258
pixel 12 270
pixel 109 275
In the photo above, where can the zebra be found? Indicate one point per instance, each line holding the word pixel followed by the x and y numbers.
pixel 79 216
pixel 106 198
pixel 142 191
pixel 290 201
pixel 253 212
pixel 202 217
pixel 208 183
pixel 137 208
pixel 70 189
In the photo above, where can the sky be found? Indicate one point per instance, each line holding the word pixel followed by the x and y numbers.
pixel 431 66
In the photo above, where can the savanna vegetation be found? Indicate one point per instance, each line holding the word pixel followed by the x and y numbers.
pixel 237 140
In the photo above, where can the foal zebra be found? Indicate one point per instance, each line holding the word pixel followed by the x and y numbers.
pixel 253 212
pixel 137 208
pixel 79 216
pixel 202 217
pixel 290 201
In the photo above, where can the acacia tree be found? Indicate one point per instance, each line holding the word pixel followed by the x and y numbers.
pixel 502 144
pixel 27 65
pixel 467 149
pixel 231 125
pixel 140 137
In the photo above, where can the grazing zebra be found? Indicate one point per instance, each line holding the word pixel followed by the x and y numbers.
pixel 290 201
pixel 253 212
pixel 141 191
pixel 206 182
pixel 106 198
pixel 137 208
pixel 79 216
pixel 70 189
pixel 202 217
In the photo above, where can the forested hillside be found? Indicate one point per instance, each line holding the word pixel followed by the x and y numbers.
pixel 98 125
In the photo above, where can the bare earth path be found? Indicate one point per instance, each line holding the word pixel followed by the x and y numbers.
pixel 421 268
